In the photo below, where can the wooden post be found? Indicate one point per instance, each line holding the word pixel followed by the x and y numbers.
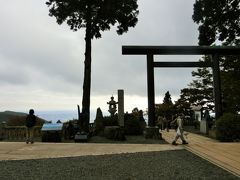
pixel 151 91
pixel 80 121
pixel 217 86
pixel 78 112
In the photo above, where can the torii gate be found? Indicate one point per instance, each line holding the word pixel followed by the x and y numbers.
pixel 150 51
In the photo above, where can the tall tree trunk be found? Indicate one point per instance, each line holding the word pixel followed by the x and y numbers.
pixel 87 76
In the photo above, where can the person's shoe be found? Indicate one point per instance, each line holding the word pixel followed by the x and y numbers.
pixel 174 143
pixel 184 142
pixel 27 142
pixel 32 142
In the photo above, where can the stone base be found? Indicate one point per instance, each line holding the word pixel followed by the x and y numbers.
pixel 114 133
pixel 152 133
pixel 51 136
pixel 81 137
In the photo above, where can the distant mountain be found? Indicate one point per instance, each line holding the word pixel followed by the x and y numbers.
pixel 15 113
pixel 6 115
pixel 9 115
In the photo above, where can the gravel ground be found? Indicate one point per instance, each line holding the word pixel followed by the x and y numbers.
pixel 179 164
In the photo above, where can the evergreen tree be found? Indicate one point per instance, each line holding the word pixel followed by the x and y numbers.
pixel 218 21
pixel 167 99
pixel 166 109
pixel 230 77
pixel 183 105
pixel 95 16
pixel 200 90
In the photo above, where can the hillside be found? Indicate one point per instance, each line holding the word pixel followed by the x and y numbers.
pixel 6 115
pixel 17 118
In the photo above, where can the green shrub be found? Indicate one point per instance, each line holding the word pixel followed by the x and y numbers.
pixel 110 121
pixel 132 126
pixel 228 128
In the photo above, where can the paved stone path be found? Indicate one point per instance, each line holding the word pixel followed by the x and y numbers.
pixel 224 155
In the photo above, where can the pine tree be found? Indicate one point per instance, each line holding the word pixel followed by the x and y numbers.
pixel 200 90
pixel 167 99
pixel 218 21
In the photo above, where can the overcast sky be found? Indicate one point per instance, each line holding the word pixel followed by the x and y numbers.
pixel 42 62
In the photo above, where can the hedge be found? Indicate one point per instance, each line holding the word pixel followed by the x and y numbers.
pixel 228 128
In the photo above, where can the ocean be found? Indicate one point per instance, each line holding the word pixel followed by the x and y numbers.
pixel 63 116
pixel 54 116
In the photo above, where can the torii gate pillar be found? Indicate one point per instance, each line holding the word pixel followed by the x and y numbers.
pixel 150 90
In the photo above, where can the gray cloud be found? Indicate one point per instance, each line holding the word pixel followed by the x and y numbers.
pixel 38 53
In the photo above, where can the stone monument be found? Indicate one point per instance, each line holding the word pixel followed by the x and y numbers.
pixel 121 107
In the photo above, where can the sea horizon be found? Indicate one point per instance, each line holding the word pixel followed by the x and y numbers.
pixel 62 115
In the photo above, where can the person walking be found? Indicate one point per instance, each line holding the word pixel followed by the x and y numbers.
pixel 179 121
pixel 30 123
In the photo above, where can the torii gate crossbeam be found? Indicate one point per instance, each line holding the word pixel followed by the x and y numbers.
pixel 150 51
